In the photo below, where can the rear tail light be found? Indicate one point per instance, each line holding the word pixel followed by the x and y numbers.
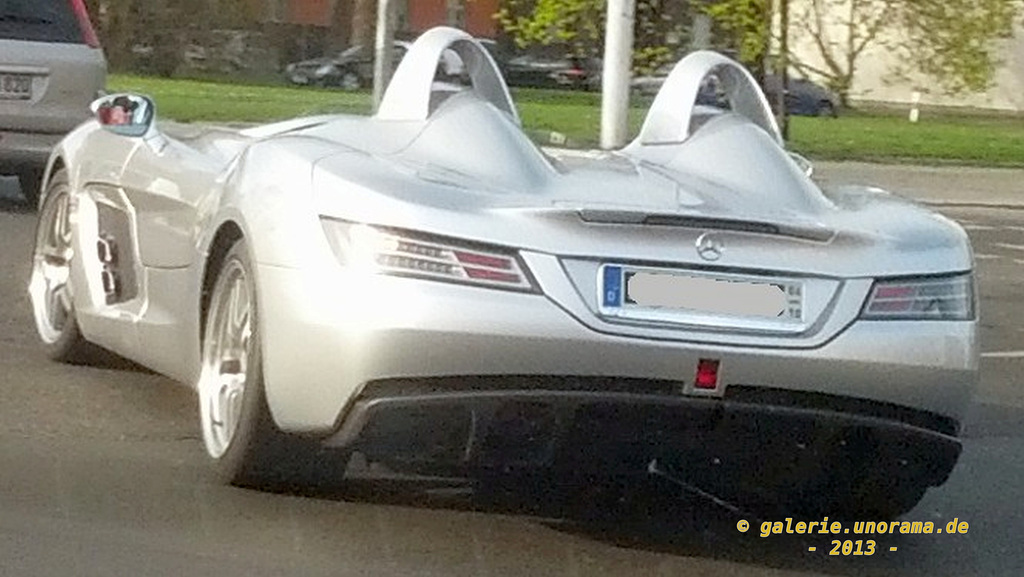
pixel 925 298
pixel 88 32
pixel 405 253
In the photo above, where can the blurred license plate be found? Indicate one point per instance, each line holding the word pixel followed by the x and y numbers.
pixel 15 86
pixel 637 290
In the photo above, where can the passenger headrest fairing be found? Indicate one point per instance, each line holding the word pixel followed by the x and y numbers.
pixel 408 96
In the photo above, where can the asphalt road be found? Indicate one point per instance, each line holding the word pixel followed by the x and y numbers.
pixel 102 473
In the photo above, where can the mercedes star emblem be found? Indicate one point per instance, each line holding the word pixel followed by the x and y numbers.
pixel 709 246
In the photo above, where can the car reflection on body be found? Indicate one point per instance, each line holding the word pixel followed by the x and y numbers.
pixel 537 71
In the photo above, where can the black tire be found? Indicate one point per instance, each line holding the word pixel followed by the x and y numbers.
pixel 62 338
pixel 827 109
pixel 258 454
pixel 881 498
pixel 870 501
pixel 31 181
pixel 856 489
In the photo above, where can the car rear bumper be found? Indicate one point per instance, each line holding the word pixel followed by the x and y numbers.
pixel 20 148
pixel 328 338
pixel 742 448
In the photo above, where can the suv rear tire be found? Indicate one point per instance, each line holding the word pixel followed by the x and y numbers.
pixel 31 180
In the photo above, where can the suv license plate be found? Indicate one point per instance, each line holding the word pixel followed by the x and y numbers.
pixel 15 86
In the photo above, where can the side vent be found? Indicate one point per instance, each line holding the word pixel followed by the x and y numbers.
pixel 115 252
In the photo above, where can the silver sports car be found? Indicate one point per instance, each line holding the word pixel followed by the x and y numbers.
pixel 428 287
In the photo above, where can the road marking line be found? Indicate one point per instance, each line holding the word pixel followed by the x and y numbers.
pixel 1009 246
pixel 1019 260
pixel 1004 355
pixel 986 256
pixel 978 227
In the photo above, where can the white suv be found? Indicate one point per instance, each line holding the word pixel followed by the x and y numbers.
pixel 51 68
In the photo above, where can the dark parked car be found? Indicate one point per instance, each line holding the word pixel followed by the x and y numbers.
pixel 538 71
pixel 51 68
pixel 352 69
pixel 805 98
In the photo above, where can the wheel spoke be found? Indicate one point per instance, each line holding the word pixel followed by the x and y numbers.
pixel 56 308
pixel 238 313
pixel 232 391
pixel 54 254
pixel 51 290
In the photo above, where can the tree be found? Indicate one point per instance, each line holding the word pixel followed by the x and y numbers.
pixel 578 26
pixel 364 22
pixel 956 42
pixel 747 26
pixel 952 42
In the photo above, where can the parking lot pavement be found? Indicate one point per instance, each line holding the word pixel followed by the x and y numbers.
pixel 937 185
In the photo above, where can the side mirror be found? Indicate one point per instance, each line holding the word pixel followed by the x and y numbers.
pixel 804 164
pixel 125 114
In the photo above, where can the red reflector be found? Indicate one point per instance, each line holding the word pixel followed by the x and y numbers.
pixel 894 292
pixel 485 274
pixel 483 260
pixel 891 306
pixel 707 374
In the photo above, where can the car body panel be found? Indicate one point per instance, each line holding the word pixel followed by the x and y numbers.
pixel 457 167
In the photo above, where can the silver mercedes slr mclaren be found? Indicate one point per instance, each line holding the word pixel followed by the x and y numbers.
pixel 429 288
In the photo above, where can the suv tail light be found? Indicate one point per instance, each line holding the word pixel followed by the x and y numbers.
pixel 88 32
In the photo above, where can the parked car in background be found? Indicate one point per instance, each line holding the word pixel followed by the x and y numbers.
pixel 352 68
pixel 650 84
pixel 538 71
pixel 711 92
pixel 805 98
pixel 51 68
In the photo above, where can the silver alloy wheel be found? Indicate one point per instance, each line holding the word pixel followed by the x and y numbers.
pixel 50 286
pixel 225 359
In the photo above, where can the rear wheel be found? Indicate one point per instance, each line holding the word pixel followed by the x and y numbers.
pixel 826 108
pixel 350 80
pixel 50 286
pixel 238 432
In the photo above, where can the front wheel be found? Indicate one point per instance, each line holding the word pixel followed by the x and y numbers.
pixel 50 288
pixel 238 432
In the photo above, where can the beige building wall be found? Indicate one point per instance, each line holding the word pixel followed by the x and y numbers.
pixel 874 80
